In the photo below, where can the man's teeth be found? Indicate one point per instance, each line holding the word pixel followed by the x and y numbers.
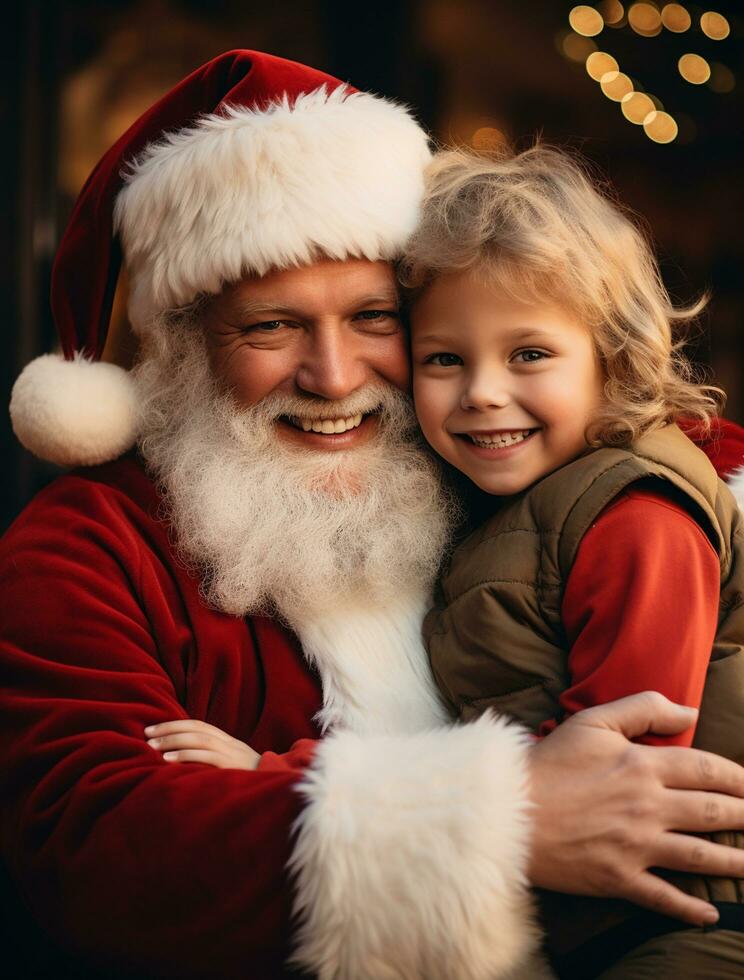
pixel 327 426
pixel 501 439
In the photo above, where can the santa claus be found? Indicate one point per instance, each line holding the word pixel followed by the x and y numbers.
pixel 261 563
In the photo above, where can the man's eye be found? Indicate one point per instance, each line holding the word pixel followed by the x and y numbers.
pixel 529 356
pixel 268 326
pixel 377 315
pixel 443 359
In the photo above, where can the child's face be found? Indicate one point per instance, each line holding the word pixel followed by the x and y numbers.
pixel 503 390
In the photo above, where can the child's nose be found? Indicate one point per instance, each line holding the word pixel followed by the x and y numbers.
pixel 485 390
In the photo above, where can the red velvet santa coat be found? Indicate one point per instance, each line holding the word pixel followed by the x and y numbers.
pixel 409 851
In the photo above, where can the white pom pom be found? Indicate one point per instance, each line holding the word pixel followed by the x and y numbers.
pixel 74 413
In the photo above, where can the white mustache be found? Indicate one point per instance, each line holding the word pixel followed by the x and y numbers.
pixel 371 398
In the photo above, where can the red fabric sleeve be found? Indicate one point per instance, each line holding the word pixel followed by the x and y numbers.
pixel 299 757
pixel 168 870
pixel 641 607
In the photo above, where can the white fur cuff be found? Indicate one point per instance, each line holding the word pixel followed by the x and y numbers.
pixel 411 853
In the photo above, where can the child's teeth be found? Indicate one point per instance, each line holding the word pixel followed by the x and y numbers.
pixel 500 441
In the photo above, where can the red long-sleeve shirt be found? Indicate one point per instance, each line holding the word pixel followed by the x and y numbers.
pixel 640 612
pixel 640 607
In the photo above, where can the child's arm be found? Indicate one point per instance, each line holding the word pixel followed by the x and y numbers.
pixel 641 606
pixel 190 740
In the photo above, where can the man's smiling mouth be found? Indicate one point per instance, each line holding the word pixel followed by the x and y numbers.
pixel 326 426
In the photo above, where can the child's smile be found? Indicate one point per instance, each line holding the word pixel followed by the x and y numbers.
pixel 504 390
pixel 497 442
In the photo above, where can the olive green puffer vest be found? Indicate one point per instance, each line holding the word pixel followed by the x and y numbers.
pixel 496 640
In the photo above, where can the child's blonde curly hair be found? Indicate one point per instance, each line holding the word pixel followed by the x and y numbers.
pixel 536 227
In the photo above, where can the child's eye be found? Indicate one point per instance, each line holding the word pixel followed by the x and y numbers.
pixel 529 356
pixel 443 360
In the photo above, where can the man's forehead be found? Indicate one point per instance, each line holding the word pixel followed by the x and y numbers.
pixel 315 287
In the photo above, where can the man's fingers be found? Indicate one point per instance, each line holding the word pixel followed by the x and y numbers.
pixel 640 714
pixel 656 894
pixel 694 769
pixel 679 852
pixel 697 812
pixel 185 725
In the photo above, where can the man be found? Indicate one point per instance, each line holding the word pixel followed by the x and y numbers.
pixel 273 587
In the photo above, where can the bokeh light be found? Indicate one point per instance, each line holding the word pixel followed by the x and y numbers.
pixel 722 79
pixel 612 12
pixel 660 127
pixel 694 69
pixel 715 26
pixel 636 107
pixel 645 19
pixel 675 18
pixel 616 85
pixel 586 20
pixel 487 139
pixel 577 48
pixel 599 63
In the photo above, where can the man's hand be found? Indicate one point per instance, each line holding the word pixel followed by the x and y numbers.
pixel 188 740
pixel 608 810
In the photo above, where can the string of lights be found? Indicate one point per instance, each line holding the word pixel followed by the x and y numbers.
pixel 648 20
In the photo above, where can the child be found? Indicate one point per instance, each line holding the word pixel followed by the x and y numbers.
pixel 545 371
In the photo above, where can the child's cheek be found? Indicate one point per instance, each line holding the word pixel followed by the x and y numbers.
pixel 430 409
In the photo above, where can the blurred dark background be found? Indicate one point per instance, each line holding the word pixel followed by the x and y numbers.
pixel 76 74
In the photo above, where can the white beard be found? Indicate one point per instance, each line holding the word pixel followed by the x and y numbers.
pixel 327 541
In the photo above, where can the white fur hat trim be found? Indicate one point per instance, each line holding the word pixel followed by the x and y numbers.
pixel 74 413
pixel 248 191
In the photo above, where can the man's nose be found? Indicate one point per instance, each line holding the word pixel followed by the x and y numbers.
pixel 332 366
pixel 485 389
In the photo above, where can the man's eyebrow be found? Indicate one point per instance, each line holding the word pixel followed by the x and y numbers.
pixel 251 307
pixel 248 307
pixel 388 296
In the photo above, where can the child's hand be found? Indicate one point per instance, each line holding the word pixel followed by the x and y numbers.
pixel 188 740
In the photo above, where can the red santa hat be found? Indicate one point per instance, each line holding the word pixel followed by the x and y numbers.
pixel 252 163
